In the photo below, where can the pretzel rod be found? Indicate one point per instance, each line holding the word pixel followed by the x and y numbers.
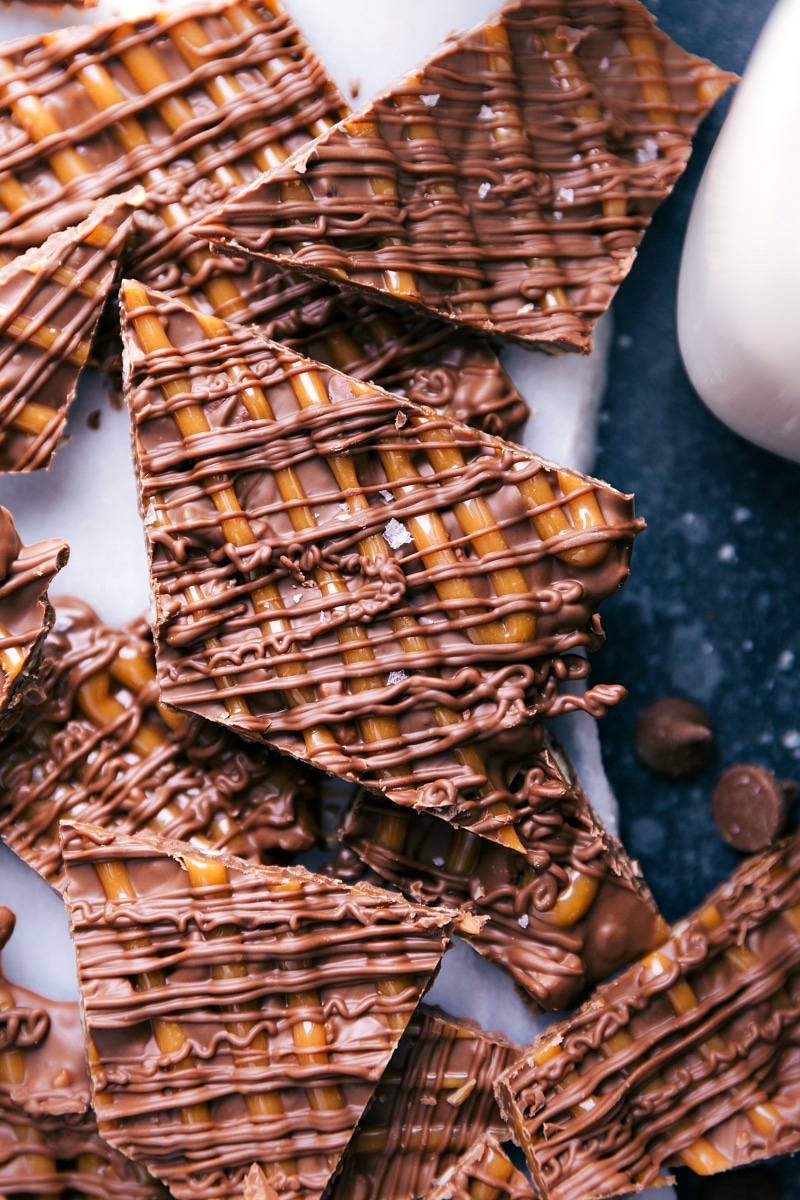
pixel 496 1166
pixel 509 127
pixel 259 1104
pixel 192 420
pixel 169 1035
pixel 44 337
pixel 13 1071
pixel 426 131
pixel 12 658
pixel 553 523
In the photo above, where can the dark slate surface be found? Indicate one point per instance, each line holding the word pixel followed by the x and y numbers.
pixel 711 608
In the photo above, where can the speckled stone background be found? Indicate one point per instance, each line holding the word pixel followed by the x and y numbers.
pixel 711 609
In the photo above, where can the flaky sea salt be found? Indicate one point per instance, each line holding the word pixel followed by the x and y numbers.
pixel 397 535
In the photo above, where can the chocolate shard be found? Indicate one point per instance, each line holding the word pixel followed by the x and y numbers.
pixel 434 1099
pixel 51 300
pixel 49 1145
pixel 689 1057
pixel 505 184
pixel 133 764
pixel 240 1014
pixel 559 921
pixel 191 105
pixel 376 589
pixel 485 1172
pixel 26 616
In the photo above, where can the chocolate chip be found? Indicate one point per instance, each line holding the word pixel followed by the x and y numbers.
pixel 674 737
pixel 749 806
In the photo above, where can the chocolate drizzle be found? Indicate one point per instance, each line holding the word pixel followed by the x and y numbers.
pixel 51 300
pixel 265 1002
pixel 422 587
pixel 435 1098
pixel 485 1172
pixel 26 616
pixel 690 1056
pixel 506 184
pixel 559 926
pixel 100 745
pixel 191 105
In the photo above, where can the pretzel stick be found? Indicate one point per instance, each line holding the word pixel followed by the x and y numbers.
pixel 427 131
pixel 13 1072
pixel 191 420
pixel 550 520
pixel 496 1166
pixel 509 126
pixel 12 658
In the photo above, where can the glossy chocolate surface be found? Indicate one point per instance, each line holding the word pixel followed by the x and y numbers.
pixel 99 745
pixel 434 1099
pixel 192 105
pixel 688 1057
pixel 483 1173
pixel 51 300
pixel 241 1015
pixel 557 927
pixel 391 595
pixel 506 184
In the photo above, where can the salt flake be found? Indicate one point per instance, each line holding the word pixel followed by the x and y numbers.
pixel 430 101
pixel 484 189
pixel 397 535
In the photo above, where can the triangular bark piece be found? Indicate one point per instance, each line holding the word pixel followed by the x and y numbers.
pixel 49 1145
pixel 51 300
pixel 689 1058
pixel 435 1099
pixel 572 914
pixel 26 616
pixel 357 581
pixel 505 184
pixel 239 1014
pixel 192 105
pixel 134 764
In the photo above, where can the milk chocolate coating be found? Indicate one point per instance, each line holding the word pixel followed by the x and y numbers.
pixel 558 929
pixel 286 993
pixel 674 737
pixel 421 585
pixel 51 300
pixel 190 124
pixel 434 1099
pixel 10 544
pixel 691 1056
pixel 505 184
pixel 485 1170
pixel 26 616
pixel 750 807
pixel 99 745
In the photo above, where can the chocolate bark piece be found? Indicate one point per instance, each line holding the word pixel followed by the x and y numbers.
pixel 26 616
pixel 376 589
pixel 688 1057
pixel 505 184
pixel 191 105
pixel 558 927
pixel 101 746
pixel 485 1172
pixel 51 300
pixel 434 1099
pixel 49 1145
pixel 241 1015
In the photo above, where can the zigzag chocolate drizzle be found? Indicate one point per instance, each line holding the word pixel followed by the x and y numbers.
pixel 386 593
pixel 100 745
pixel 688 1057
pixel 505 184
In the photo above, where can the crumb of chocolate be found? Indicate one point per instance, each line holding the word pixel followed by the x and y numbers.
pixel 93 419
pixel 674 737
pixel 7 923
pixel 354 84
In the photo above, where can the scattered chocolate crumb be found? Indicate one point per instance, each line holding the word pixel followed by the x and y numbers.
pixel 750 806
pixel 354 84
pixel 674 737
pixel 93 419
pixel 7 923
